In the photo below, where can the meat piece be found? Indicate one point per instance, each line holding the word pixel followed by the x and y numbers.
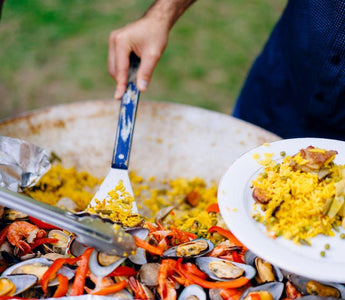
pixel 260 196
pixel 316 160
pixel 193 198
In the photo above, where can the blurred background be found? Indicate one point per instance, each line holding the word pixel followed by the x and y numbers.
pixel 55 51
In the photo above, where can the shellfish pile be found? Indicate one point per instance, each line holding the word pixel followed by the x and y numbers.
pixel 41 261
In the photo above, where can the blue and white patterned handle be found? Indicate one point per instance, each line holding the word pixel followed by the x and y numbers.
pixel 127 114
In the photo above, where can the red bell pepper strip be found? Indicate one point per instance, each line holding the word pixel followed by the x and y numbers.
pixel 230 294
pixel 237 258
pixel 236 283
pixel 213 208
pixel 255 296
pixel 145 245
pixel 41 224
pixel 111 289
pixel 228 235
pixel 37 243
pixel 123 271
pixel 81 273
pixel 3 234
pixel 62 287
pixel 190 267
pixel 50 274
pixel 41 241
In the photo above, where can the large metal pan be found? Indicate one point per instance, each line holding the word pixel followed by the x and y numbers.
pixel 170 140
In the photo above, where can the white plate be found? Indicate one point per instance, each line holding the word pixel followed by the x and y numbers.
pixel 235 202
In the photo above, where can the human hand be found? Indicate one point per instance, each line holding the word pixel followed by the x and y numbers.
pixel 147 38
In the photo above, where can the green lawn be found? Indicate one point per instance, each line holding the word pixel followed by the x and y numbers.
pixel 55 51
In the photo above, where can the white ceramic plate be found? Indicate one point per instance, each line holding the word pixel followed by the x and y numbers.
pixel 235 202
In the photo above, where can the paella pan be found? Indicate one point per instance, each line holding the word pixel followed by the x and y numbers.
pixel 171 141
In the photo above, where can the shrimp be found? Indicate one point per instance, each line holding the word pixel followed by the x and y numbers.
pixel 22 233
pixel 100 283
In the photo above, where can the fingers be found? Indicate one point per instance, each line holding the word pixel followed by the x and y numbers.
pixel 118 63
pixel 148 63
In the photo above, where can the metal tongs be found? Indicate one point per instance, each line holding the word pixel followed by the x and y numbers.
pixel 91 230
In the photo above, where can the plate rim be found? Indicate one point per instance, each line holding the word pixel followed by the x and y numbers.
pixel 249 233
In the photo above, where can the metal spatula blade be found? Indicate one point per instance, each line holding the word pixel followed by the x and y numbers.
pixel 123 139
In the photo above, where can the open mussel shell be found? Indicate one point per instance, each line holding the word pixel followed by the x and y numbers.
pixel 102 264
pixel 307 286
pixel 22 282
pixel 192 249
pixel 63 240
pixel 192 291
pixel 266 272
pixel 224 270
pixel 37 266
pixel 275 289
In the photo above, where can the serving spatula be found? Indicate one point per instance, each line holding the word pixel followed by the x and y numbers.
pixel 123 140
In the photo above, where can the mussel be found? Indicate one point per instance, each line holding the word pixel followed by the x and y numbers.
pixel 223 270
pixel 266 291
pixel 21 283
pixel 37 267
pixel 192 249
pixel 307 286
pixel 266 272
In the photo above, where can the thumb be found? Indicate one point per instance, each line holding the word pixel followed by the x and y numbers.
pixel 146 68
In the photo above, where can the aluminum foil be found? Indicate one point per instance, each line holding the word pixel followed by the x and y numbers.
pixel 22 164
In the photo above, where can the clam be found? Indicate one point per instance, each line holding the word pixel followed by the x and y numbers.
pixel 37 267
pixel 21 282
pixel 266 291
pixel 148 274
pixel 307 286
pixel 192 292
pixel 266 272
pixel 224 270
pixel 191 249
pixel 67 204
pixel 12 215
pixel 64 239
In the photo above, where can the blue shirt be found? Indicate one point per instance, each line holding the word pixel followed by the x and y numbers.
pixel 296 86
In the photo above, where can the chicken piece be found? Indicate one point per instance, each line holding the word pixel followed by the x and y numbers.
pixel 316 159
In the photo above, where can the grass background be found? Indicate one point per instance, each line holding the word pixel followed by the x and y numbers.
pixel 55 51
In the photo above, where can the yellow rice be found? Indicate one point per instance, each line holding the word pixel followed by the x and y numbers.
pixel 61 182
pixel 296 210
pixel 150 194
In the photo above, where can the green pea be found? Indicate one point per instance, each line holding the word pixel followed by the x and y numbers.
pixel 282 153
pixel 323 253
pixel 327 246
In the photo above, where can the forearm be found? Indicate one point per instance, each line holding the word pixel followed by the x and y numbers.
pixel 167 12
